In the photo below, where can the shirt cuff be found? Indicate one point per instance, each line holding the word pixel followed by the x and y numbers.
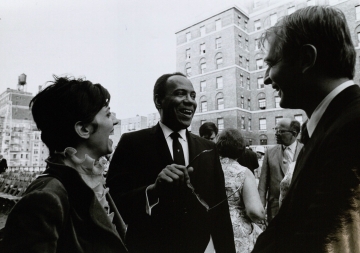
pixel 148 207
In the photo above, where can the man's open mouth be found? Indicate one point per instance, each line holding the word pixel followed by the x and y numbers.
pixel 187 112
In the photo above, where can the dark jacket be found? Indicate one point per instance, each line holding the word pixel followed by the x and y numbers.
pixel 176 224
pixel 249 160
pixel 60 213
pixel 3 165
pixel 321 210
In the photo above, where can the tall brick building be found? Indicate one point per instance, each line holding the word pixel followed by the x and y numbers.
pixel 221 56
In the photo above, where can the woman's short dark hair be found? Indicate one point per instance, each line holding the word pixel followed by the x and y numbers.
pixel 58 107
pixel 326 29
pixel 207 129
pixel 230 143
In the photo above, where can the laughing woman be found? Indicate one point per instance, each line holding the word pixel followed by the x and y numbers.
pixel 68 209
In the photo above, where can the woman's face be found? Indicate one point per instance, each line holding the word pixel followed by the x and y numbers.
pixel 99 141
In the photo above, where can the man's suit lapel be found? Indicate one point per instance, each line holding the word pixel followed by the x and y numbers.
pixel 161 147
pixel 279 157
pixel 333 111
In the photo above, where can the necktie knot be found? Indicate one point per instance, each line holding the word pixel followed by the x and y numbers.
pixel 175 135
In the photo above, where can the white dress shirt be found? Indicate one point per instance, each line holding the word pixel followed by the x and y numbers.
pixel 321 108
pixel 290 150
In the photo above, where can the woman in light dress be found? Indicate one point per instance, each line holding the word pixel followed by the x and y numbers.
pixel 244 200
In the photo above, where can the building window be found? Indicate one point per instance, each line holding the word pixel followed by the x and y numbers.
pixel 262 103
pixel 218 24
pixel 240 61
pixel 277 119
pixel 245 25
pixel 259 63
pixel 249 104
pixel 249 124
pixel 219 83
pixel 257 24
pixel 310 2
pixel 202 31
pixel 263 140
pixel 188 37
pixel 188 69
pixel 239 20
pixel 242 102
pixel 202 121
pixel 248 82
pixel 357 10
pixel 291 10
pixel 220 124
pixel 241 80
pixel 299 118
pixel 257 44
pixel 240 40
pixel 202 86
pixel 277 101
pixel 243 122
pixel 247 44
pixel 203 106
pixel 273 19
pixel 247 64
pixel 260 83
pixel 262 124
pixel 219 62
pixel 202 48
pixel 188 54
pixel 202 66
pixel 218 43
pixel 358 36
pixel 220 103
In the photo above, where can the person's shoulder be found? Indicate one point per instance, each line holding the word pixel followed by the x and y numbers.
pixel 202 140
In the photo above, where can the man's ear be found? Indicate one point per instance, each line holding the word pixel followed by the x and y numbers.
pixel 83 130
pixel 157 102
pixel 308 55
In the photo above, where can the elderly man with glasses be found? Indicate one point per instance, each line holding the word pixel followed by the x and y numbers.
pixel 276 164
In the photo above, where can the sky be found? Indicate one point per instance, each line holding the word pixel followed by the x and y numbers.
pixel 125 45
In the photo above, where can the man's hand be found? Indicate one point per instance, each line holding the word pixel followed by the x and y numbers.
pixel 172 176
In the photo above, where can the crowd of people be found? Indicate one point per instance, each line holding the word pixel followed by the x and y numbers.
pixel 168 190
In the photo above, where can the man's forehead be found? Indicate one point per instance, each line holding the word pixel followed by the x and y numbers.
pixel 179 82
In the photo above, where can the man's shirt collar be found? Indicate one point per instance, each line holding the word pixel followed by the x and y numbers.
pixel 321 108
pixel 167 131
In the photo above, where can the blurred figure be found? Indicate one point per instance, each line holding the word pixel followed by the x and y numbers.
pixel 311 61
pixel 3 164
pixel 249 159
pixel 276 164
pixel 244 200
pixel 209 131
pixel 68 209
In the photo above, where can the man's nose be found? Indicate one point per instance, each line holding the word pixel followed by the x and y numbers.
pixel 267 79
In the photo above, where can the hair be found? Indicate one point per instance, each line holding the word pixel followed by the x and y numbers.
pixel 230 143
pixel 58 107
pixel 295 126
pixel 160 84
pixel 323 27
pixel 207 129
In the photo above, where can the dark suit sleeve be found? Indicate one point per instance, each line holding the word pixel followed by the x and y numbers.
pixel 222 230
pixel 35 223
pixel 264 179
pixel 125 183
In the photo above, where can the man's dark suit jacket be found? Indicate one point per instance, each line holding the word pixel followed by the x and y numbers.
pixel 249 159
pixel 273 171
pixel 3 165
pixel 321 211
pixel 60 213
pixel 176 224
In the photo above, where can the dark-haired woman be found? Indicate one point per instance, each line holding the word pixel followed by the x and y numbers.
pixel 68 209
pixel 244 204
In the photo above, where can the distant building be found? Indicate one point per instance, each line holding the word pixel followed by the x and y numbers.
pixel 153 119
pixel 222 58
pixel 133 124
pixel 20 141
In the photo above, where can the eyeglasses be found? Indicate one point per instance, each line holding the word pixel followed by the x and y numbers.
pixel 191 187
pixel 280 131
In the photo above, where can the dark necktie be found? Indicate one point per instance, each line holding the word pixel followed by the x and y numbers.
pixel 304 134
pixel 178 152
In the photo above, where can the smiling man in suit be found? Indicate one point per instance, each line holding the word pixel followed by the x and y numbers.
pixel 276 164
pixel 148 180
pixel 311 61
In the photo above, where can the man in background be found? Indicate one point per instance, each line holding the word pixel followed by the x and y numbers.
pixel 209 131
pixel 276 163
